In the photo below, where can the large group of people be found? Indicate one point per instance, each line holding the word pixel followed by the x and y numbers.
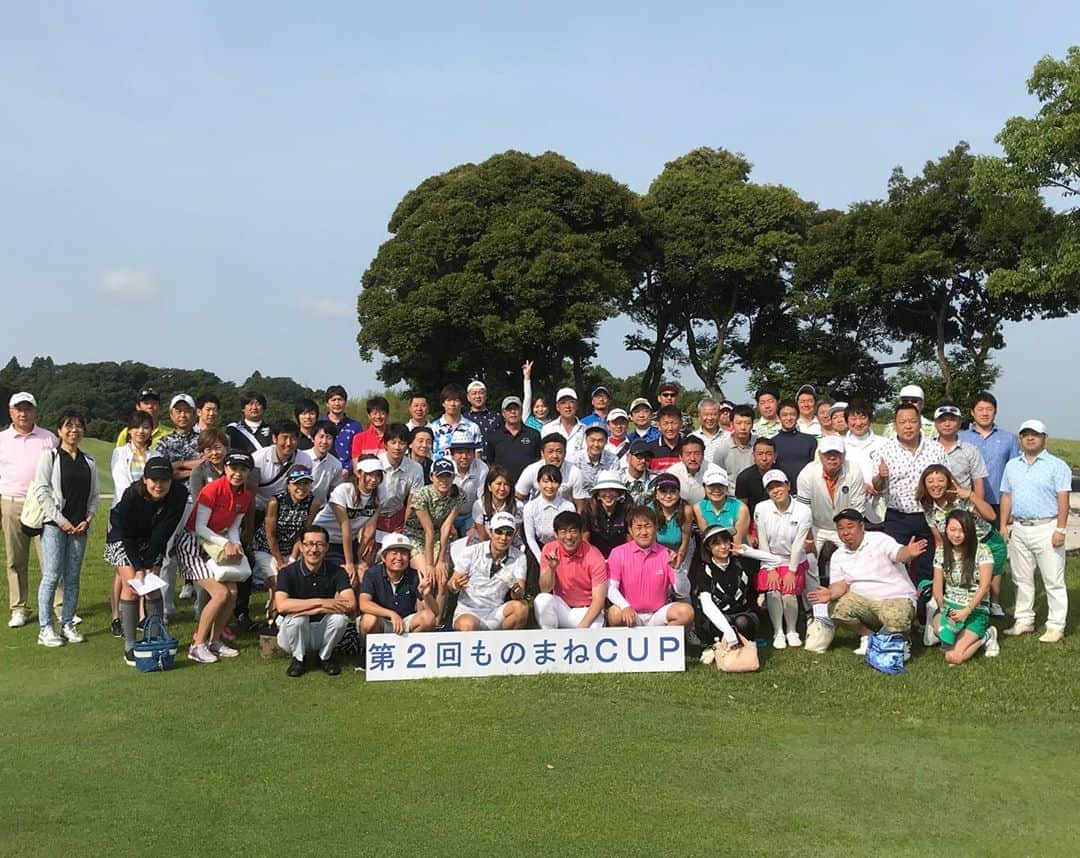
pixel 790 511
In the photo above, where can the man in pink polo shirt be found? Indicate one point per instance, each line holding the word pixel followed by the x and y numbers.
pixel 573 579
pixel 641 580
pixel 20 446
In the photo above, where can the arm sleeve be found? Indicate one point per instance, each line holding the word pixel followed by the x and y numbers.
pixel 202 526
pixel 717 618
pixel 763 537
pixel 680 583
pixel 526 399
pixel 529 516
pixel 615 595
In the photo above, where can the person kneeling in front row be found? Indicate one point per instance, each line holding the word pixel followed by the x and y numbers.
pixel 573 579
pixel 314 599
pixel 393 598
pixel 642 578
pixel 870 587
pixel 484 575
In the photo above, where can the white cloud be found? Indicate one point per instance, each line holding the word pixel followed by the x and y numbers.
pixel 129 284
pixel 324 308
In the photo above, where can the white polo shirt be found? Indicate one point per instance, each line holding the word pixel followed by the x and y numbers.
pixel 398 483
pixel 272 475
pixel 872 570
pixel 572 487
pixel 575 438
pixel 488 587
pixel 783 533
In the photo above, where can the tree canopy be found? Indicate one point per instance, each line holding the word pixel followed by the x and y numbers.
pixel 489 263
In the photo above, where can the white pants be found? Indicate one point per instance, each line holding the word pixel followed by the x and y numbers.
pixel 654 618
pixel 1030 546
pixel 553 613
pixel 298 635
pixel 265 567
pixel 490 620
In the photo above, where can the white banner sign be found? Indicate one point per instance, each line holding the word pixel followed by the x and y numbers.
pixel 422 656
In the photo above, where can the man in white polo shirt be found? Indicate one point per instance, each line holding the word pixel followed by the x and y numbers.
pixel 485 574
pixel 567 423
pixel 21 444
pixel 869 587
pixel 553 452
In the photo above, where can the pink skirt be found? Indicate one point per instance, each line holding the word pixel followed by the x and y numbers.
pixel 800 579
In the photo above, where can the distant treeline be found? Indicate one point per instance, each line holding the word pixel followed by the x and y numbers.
pixel 106 392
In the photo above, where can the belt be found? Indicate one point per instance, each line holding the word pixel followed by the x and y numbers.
pixel 1031 522
pixel 14 498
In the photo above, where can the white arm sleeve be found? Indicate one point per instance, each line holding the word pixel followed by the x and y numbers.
pixel 682 581
pixel 717 618
pixel 234 529
pixel 763 556
pixel 526 399
pixel 615 596
pixel 202 526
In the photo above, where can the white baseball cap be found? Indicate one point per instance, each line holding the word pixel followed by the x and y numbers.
pixel 1033 426
pixel 395 540
pixel 716 476
pixel 182 397
pixel 831 444
pixel 837 407
pixel 475 384
pixel 774 476
pixel 22 398
pixel 501 520
pixel 565 393
pixel 617 414
pixel 911 391
pixel 640 401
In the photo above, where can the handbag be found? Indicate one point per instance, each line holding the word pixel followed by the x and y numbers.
pixel 740 657
pixel 232 571
pixel 156 651
pixel 32 517
pixel 885 652
pixel 819 635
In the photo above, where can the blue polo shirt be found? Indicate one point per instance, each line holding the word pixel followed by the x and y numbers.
pixel 401 599
pixel 996 448
pixel 1034 487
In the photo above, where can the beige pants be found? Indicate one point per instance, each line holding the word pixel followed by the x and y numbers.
pixel 17 555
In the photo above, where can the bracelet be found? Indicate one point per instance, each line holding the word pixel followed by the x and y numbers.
pixel 1060 530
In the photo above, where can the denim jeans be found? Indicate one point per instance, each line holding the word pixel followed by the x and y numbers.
pixel 61 560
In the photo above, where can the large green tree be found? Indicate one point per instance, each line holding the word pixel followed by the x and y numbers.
pixel 725 248
pixel 517 257
pixel 915 268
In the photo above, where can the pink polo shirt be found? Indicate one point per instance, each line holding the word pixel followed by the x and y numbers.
pixel 643 575
pixel 19 457
pixel 578 573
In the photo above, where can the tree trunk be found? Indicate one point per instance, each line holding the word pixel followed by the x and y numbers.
pixel 939 348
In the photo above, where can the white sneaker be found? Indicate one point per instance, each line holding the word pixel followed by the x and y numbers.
pixel 1052 636
pixel 793 639
pixel 907 651
pixel 201 653
pixel 47 636
pixel 223 650
pixel 76 620
pixel 864 642
pixel 17 621
pixel 778 641
pixel 996 610
pixel 1018 629
pixel 71 634
pixel 991 647
pixel 187 591
pixel 929 636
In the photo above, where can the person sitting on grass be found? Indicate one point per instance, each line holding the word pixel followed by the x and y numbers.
pixel 643 583
pixel 940 494
pixel 314 599
pixel 721 588
pixel 573 579
pixel 963 570
pixel 869 585
pixel 485 573
pixel 140 527
pixel 214 524
pixel 394 598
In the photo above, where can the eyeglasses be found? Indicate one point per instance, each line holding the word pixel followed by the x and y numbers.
pixel 309 544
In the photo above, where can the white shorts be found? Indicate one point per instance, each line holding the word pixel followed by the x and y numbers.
pixel 490 620
pixel 388 627
pixel 654 618
pixel 265 567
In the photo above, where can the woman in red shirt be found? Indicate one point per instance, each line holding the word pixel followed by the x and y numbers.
pixel 211 556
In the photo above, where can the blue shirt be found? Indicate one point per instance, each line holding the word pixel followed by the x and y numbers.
pixel 346 429
pixel 996 448
pixel 401 599
pixel 594 419
pixel 1034 488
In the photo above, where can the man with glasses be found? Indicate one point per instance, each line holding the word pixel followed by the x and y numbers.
pixel 314 600
pixel 485 574
pixel 635 471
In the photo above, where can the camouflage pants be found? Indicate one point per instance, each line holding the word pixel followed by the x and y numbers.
pixel 890 615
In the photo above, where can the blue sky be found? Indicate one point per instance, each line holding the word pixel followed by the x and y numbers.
pixel 203 185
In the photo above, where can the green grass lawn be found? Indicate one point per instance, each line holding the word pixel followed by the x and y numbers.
pixel 814 754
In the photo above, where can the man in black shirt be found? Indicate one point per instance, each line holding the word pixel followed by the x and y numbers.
pixel 250 433
pixel 513 445
pixel 314 599
pixel 748 487
pixel 794 449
